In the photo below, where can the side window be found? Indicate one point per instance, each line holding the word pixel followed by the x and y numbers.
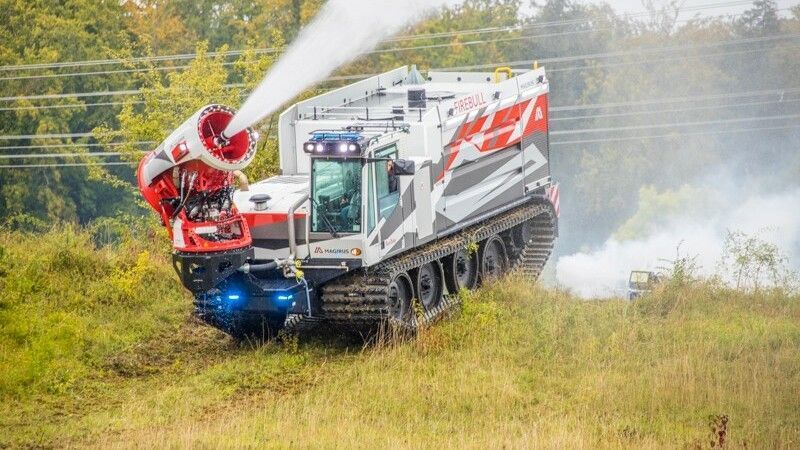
pixel 336 195
pixel 387 183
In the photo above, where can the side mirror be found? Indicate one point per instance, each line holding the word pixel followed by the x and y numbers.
pixel 404 167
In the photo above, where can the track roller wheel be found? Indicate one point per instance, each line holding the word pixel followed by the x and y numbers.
pixel 429 287
pixel 461 270
pixel 398 298
pixel 494 260
pixel 522 233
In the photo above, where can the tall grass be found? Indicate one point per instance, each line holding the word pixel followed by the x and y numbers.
pixel 520 366
pixel 67 304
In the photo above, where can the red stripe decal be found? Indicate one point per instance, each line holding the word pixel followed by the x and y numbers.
pixel 538 119
pixel 450 159
pixel 255 219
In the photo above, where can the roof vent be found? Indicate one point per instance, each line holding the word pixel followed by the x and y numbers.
pixel 414 77
pixel 260 201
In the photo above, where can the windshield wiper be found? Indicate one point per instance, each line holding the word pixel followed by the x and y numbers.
pixel 328 223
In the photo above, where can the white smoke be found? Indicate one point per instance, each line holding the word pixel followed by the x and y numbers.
pixel 774 218
pixel 341 31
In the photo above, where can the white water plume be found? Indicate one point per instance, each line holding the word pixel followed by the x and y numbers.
pixel 604 272
pixel 341 31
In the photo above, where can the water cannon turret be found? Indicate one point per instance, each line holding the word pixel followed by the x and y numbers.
pixel 189 180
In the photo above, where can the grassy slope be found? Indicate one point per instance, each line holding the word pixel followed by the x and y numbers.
pixel 97 347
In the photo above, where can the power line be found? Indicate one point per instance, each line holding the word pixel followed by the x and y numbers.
pixel 138 102
pixel 75 144
pixel 654 101
pixel 573 142
pixel 598 66
pixel 377 51
pixel 65 155
pixel 542 60
pixel 670 48
pixel 362 76
pixel 680 124
pixel 129 92
pixel 552 133
pixel 430 46
pixel 661 111
pixel 561 59
pixel 70 105
pixel 34 166
pixel 552 119
pixel 72 95
pixel 182 67
pixel 187 56
pixel 672 135
pixel 666 100
pixel 411 37
pixel 662 59
pixel 45 136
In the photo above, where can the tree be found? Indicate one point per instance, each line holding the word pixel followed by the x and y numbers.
pixel 157 28
pixel 170 99
pixel 760 20
pixel 753 263
pixel 44 31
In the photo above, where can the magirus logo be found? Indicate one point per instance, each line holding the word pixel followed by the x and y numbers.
pixel 337 251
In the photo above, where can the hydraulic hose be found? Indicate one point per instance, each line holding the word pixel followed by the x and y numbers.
pixel 265 267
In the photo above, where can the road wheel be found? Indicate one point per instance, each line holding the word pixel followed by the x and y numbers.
pixel 522 233
pixel 494 261
pixel 461 270
pixel 429 285
pixel 398 298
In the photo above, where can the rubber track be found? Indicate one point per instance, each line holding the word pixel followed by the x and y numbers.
pixel 359 298
pixel 532 257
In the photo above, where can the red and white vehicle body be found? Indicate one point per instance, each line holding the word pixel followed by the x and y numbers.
pixel 368 171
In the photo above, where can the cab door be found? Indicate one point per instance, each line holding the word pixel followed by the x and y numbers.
pixel 372 241
pixel 391 209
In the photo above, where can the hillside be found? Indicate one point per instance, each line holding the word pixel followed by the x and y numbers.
pixel 97 347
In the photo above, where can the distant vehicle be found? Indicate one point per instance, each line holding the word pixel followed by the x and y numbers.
pixel 387 188
pixel 641 282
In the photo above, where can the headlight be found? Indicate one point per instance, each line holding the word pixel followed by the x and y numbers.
pixel 343 147
pixel 352 147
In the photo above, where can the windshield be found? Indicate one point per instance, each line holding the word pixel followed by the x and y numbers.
pixel 336 195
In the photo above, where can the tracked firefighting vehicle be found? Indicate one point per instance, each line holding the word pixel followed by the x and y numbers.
pixel 395 192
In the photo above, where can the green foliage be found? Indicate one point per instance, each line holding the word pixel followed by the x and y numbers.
pixel 754 263
pixel 44 31
pixel 71 303
pixel 169 99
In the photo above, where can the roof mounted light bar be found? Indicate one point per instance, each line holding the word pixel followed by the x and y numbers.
pixel 335 143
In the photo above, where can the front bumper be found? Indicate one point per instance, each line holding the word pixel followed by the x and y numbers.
pixel 218 285
pixel 247 293
pixel 201 272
